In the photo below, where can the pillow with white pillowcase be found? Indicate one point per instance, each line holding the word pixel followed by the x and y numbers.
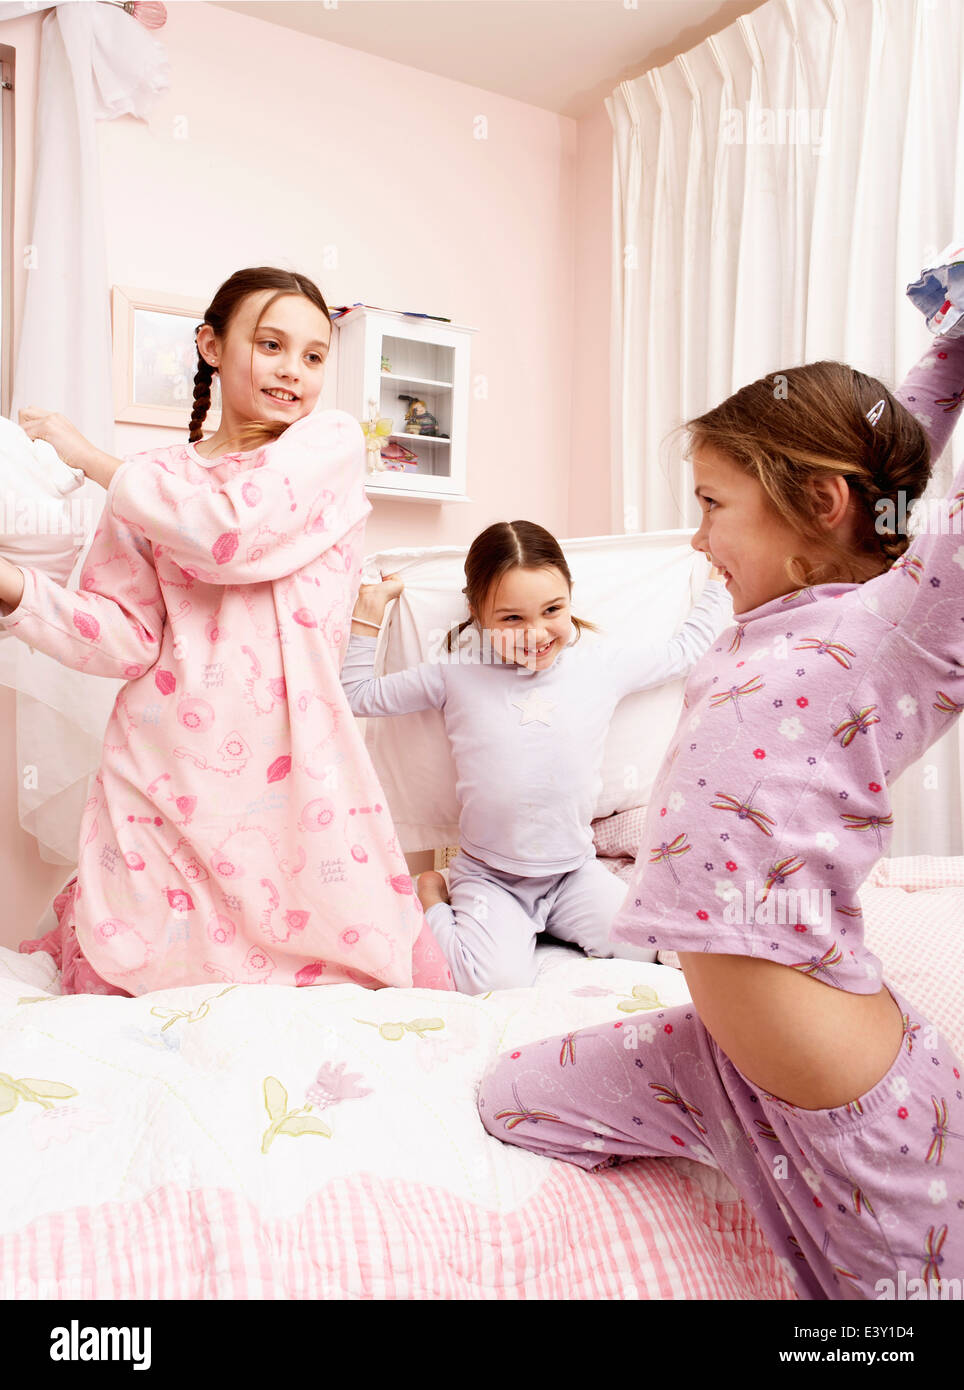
pixel 634 587
pixel 40 525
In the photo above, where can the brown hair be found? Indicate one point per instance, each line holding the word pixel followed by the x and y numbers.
pixel 794 427
pixel 504 546
pixel 219 314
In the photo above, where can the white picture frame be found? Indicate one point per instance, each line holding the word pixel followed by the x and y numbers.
pixel 155 358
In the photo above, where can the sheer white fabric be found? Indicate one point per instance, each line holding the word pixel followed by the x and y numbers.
pixel 96 62
pixel 774 191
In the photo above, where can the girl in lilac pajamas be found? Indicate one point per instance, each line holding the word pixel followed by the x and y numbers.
pixel 527 730
pixel 825 1096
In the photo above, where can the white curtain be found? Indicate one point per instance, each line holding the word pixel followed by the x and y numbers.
pixel 96 63
pixel 774 191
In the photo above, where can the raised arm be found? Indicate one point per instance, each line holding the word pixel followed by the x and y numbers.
pixel 111 625
pixel 923 592
pixel 305 492
pixel 641 665
pixel 933 388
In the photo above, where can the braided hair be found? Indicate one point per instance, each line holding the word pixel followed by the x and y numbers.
pixel 219 314
pixel 202 389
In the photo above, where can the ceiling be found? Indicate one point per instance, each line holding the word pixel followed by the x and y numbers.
pixel 563 55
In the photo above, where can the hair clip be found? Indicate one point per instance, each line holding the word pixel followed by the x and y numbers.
pixel 874 414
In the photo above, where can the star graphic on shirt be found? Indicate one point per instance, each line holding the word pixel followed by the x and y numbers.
pixel 535 707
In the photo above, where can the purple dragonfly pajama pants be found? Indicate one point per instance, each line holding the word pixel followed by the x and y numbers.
pixel 848 1198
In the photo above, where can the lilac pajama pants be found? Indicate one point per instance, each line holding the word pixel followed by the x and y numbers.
pixel 488 929
pixel 847 1197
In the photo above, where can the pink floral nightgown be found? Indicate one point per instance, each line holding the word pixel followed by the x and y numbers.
pixel 237 829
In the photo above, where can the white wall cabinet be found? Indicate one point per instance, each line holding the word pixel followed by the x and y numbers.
pixel 384 356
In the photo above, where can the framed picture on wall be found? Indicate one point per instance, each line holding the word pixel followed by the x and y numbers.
pixel 155 358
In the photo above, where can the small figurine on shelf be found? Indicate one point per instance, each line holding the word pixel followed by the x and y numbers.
pixel 418 419
pixel 377 428
pixel 386 365
pixel 399 459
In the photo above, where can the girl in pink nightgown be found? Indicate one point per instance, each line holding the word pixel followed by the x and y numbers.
pixel 236 829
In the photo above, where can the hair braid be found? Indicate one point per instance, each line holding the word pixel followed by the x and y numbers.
pixel 202 397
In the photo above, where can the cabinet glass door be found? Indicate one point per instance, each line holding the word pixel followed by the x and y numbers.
pixel 415 392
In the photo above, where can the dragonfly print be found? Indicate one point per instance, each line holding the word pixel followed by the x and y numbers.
pixel 912 565
pixel 516 1117
pixel 873 823
pixel 931 1259
pixel 940 1132
pixel 859 722
pixel 736 693
pixel 779 873
pixel 767 1131
pixel 909 1030
pixel 666 852
pixel 957 504
pixel 933 1244
pixel 838 1270
pixel 799 593
pixel 738 635
pixel 946 705
pixel 861 1203
pixel 568 1053
pixel 950 402
pixel 670 1095
pixel 813 967
pixel 744 810
pixel 826 646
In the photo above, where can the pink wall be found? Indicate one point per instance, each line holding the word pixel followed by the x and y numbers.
pixel 335 148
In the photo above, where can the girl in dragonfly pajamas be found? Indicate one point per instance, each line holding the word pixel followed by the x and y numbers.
pixel 828 1099
pixel 236 829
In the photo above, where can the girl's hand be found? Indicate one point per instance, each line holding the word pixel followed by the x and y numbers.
pixel 64 438
pixel 373 599
pixel 390 587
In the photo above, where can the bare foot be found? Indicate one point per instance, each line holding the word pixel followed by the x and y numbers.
pixel 431 889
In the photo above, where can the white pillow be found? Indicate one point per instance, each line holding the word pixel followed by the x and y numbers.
pixel 637 584
pixel 41 524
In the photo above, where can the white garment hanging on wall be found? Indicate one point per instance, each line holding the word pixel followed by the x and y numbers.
pixel 96 63
pixel 774 191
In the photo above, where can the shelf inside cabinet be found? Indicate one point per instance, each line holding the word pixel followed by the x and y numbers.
pixel 417 381
pixel 412 494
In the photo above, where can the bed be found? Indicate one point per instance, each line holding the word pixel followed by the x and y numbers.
pixel 250 1142
pixel 258 1142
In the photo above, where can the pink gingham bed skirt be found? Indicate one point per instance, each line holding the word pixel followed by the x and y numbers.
pixel 643 1232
